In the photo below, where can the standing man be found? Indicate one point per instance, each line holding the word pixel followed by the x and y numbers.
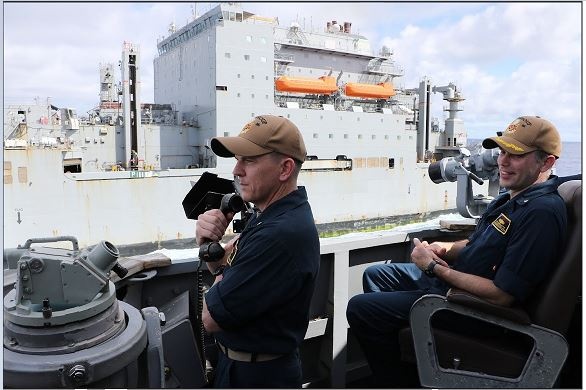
pixel 258 307
pixel 505 259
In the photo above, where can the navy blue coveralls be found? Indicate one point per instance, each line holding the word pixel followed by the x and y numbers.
pixel 262 302
pixel 514 244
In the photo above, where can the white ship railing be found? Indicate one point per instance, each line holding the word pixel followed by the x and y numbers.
pixel 284 57
pixel 343 261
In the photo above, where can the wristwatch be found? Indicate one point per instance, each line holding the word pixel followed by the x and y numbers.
pixel 219 270
pixel 429 269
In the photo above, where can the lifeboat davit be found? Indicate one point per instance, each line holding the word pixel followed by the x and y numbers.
pixel 372 91
pixel 325 85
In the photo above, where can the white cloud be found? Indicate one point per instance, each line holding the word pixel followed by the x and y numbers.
pixel 507 58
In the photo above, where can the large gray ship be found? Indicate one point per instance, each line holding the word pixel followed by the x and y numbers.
pixel 121 172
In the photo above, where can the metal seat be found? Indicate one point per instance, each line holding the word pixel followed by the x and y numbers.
pixel 463 341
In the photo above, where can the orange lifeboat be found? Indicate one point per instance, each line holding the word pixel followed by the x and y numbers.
pixel 372 91
pixel 325 85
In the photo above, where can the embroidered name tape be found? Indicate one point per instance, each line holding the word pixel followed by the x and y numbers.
pixel 502 223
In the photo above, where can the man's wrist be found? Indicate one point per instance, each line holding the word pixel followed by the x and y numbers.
pixel 214 266
pixel 429 270
pixel 219 270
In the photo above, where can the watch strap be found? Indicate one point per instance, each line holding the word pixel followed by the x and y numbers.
pixel 219 270
pixel 430 267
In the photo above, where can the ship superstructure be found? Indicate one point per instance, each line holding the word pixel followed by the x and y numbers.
pixel 121 173
pixel 367 141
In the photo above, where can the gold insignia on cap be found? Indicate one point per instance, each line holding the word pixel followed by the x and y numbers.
pixel 525 121
pixel 512 146
pixel 502 223
pixel 246 128
pixel 521 121
pixel 511 128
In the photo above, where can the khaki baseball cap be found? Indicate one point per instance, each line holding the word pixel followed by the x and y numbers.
pixel 263 134
pixel 526 134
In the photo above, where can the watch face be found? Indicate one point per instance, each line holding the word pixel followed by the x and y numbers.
pixel 429 269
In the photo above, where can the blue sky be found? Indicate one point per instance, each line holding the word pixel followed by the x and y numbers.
pixel 508 59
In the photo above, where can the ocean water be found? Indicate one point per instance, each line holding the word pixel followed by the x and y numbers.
pixel 570 163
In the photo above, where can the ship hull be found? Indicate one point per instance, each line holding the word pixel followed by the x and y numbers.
pixel 133 208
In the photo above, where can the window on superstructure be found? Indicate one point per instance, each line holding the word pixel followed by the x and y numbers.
pixel 315 135
pixel 391 163
pixel 238 94
pixel 373 136
pixel 398 138
pixel 239 17
pixel 227 55
pixel 252 76
pixel 238 75
pixel 330 136
pixel 386 136
pixel 345 136
pixel 252 96
pixel 359 136
pixel 73 168
pixel 247 57
pixel 226 133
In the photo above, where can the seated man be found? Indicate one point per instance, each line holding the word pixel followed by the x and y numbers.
pixel 507 256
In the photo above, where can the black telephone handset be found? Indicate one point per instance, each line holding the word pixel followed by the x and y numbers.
pixel 213 251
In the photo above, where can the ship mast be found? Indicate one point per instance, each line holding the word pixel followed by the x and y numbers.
pixel 455 133
pixel 131 106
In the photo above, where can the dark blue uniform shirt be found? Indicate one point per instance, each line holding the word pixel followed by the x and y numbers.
pixel 262 303
pixel 517 240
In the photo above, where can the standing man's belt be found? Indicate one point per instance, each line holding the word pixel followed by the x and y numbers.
pixel 250 357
